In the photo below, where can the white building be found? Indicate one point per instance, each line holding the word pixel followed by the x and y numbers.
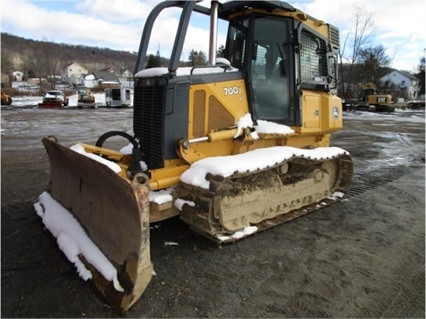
pixel 404 81
pixel 126 78
pixel 18 76
pixel 73 72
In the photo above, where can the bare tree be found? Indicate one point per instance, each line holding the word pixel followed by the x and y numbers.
pixel 37 65
pixel 373 60
pixel 45 64
pixel 359 36
pixel 7 66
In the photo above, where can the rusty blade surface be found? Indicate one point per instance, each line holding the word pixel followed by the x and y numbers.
pixel 114 213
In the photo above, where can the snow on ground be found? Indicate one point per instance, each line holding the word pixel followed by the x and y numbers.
pixel 20 101
pixel 400 115
pixel 26 100
pixel 247 231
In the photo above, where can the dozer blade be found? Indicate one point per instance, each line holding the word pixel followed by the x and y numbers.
pixel 115 215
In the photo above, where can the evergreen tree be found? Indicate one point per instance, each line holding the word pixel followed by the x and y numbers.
pixel 197 58
pixel 421 76
pixel 154 61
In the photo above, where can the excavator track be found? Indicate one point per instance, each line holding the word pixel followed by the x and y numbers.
pixel 245 203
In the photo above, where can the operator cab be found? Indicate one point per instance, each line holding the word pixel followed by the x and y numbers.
pixel 274 75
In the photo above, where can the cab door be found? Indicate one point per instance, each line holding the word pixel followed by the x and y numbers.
pixel 270 70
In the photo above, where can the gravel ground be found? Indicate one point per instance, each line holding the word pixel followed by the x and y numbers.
pixel 363 257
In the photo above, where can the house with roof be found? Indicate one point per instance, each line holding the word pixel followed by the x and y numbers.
pixel 126 78
pixel 71 73
pixel 105 78
pixel 403 81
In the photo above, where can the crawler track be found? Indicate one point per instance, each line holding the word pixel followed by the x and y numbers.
pixel 265 198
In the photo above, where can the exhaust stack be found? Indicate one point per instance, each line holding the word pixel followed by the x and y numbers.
pixel 213 31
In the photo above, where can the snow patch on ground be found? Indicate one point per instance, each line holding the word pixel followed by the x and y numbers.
pixel 336 195
pixel 19 101
pixel 249 230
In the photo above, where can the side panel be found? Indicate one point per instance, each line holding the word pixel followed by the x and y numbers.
pixel 311 112
pixel 321 113
pixel 215 106
pixel 176 115
pixel 378 99
pixel 331 113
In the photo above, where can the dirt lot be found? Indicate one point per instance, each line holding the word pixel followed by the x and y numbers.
pixel 363 257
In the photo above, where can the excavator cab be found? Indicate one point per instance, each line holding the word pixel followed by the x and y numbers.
pixel 233 147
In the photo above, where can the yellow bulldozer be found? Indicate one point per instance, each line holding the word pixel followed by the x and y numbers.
pixel 233 147
pixel 85 99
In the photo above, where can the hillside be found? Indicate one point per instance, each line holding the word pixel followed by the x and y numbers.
pixel 28 55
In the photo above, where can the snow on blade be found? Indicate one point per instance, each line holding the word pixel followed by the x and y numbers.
pixel 80 149
pixel 73 240
pixel 251 161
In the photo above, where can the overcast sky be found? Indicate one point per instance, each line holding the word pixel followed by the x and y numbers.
pixel 118 24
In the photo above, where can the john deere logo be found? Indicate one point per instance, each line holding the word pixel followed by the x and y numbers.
pixel 335 112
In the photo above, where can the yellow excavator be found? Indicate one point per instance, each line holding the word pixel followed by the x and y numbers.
pixel 370 99
pixel 232 147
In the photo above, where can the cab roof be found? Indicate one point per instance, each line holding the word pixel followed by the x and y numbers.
pixel 231 7
pixel 228 8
